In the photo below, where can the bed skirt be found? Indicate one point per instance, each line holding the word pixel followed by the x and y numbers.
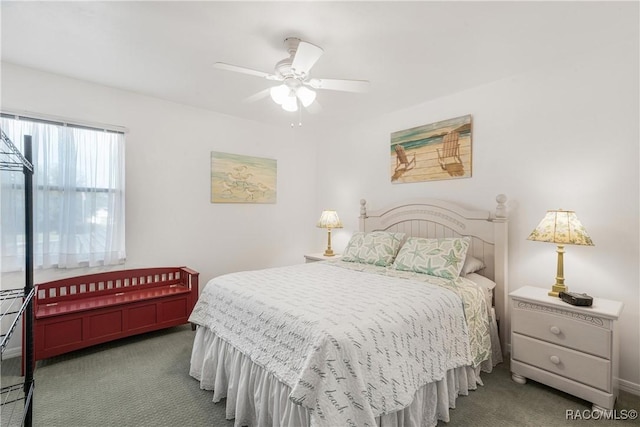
pixel 256 398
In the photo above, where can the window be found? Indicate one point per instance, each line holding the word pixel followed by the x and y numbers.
pixel 79 198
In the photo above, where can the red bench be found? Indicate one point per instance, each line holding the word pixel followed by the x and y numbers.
pixel 78 312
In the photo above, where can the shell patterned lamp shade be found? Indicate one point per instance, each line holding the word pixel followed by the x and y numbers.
pixel 329 219
pixel 562 228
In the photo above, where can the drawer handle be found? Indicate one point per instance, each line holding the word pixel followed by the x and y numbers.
pixel 555 360
pixel 555 330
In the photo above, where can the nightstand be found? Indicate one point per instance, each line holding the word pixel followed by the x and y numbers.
pixel 567 347
pixel 319 257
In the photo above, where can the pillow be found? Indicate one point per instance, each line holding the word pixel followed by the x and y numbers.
pixel 485 283
pixel 377 247
pixel 435 257
pixel 471 265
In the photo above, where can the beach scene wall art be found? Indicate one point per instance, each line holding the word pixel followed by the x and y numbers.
pixel 242 179
pixel 440 150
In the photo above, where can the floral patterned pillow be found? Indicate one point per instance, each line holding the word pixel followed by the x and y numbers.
pixel 377 247
pixel 435 257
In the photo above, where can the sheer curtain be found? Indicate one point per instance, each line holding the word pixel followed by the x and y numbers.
pixel 79 198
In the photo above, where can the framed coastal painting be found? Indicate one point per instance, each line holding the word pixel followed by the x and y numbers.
pixel 440 150
pixel 242 179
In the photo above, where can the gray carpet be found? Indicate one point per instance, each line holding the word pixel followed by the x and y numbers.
pixel 144 381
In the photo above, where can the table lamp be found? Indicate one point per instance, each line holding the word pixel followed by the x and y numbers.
pixel 329 219
pixel 562 228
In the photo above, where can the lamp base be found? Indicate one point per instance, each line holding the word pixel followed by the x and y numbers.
pixel 328 252
pixel 556 289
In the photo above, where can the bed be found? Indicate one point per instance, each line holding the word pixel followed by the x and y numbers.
pixel 377 337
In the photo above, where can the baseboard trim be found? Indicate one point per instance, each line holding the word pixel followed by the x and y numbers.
pixel 12 352
pixel 629 387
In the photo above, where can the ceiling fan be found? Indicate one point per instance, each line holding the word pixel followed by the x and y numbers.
pixel 294 73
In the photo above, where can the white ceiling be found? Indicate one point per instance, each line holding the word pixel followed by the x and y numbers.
pixel 411 52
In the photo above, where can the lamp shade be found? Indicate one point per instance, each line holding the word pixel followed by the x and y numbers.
pixel 287 95
pixel 290 104
pixel 306 96
pixel 329 219
pixel 279 94
pixel 561 227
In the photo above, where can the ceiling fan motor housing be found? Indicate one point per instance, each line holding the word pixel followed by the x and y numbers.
pixel 283 68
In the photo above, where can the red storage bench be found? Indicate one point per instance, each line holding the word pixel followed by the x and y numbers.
pixel 78 312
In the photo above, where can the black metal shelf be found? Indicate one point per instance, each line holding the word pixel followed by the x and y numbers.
pixel 19 302
pixel 11 158
pixel 11 398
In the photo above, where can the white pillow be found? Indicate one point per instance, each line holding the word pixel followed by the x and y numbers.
pixel 471 265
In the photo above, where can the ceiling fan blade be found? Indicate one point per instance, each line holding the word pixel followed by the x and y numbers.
pixel 257 96
pixel 306 56
pixel 244 70
pixel 337 84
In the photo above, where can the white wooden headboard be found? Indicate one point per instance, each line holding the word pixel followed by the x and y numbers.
pixel 437 218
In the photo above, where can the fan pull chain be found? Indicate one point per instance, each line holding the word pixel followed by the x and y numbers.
pixel 299 114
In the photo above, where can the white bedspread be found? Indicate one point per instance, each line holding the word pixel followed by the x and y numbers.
pixel 472 295
pixel 351 345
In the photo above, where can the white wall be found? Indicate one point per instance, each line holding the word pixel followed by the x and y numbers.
pixel 564 136
pixel 170 220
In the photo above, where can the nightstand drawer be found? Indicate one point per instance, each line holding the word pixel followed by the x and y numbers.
pixel 584 368
pixel 564 331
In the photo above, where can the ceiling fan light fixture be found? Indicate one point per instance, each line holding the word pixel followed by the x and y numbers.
pixel 306 96
pixel 279 94
pixel 290 104
pixel 297 89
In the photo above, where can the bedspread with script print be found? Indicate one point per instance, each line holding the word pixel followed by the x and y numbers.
pixel 351 345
